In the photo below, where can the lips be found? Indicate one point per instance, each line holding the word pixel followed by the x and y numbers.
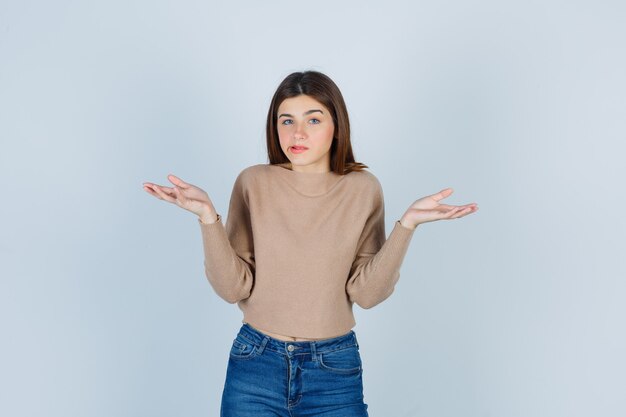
pixel 299 148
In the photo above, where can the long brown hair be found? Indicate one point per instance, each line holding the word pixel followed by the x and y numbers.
pixel 321 88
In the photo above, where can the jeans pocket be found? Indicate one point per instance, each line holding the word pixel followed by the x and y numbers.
pixel 242 349
pixel 341 361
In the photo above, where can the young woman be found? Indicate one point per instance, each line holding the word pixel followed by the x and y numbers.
pixel 304 240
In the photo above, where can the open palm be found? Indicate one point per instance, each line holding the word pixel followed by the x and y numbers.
pixel 430 208
pixel 183 194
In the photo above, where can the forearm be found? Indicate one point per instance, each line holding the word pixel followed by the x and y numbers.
pixel 230 276
pixel 374 279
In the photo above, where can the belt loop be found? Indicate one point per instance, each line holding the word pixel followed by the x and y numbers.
pixel 354 338
pixel 263 343
pixel 313 351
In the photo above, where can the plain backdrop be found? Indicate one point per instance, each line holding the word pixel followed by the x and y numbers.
pixel 515 311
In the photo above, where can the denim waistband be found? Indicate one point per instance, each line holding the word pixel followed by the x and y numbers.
pixel 297 347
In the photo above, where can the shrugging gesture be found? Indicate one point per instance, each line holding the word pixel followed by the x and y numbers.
pixel 429 208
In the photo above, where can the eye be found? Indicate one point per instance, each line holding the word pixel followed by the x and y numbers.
pixel 318 122
pixel 285 121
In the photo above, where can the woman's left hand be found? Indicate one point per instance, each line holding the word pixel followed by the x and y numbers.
pixel 428 209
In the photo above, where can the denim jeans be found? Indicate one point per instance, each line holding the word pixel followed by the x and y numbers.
pixel 270 377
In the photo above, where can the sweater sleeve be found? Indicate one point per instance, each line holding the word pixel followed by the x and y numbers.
pixel 229 250
pixel 376 268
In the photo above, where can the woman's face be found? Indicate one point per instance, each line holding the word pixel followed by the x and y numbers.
pixel 305 122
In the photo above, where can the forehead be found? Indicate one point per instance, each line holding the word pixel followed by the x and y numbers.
pixel 300 104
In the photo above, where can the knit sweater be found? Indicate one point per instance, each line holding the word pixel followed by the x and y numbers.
pixel 299 249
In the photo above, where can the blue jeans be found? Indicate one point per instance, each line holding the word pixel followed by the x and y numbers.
pixel 270 377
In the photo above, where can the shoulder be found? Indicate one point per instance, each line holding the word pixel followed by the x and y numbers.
pixel 252 169
pixel 243 181
pixel 256 170
pixel 366 182
pixel 249 173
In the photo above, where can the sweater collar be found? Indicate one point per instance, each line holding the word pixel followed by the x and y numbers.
pixel 310 184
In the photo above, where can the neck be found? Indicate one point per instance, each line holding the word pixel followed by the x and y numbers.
pixel 291 167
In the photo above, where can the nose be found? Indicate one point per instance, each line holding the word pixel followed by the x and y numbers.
pixel 299 133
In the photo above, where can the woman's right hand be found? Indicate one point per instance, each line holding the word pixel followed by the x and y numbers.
pixel 186 196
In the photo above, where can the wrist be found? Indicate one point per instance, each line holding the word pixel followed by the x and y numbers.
pixel 407 224
pixel 209 218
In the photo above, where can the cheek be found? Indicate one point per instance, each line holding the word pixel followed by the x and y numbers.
pixel 327 134
pixel 282 136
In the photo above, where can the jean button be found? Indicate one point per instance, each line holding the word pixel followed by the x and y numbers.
pixel 290 348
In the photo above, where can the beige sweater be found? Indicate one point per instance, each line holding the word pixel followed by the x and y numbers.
pixel 298 249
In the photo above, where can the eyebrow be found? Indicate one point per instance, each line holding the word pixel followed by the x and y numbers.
pixel 305 113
